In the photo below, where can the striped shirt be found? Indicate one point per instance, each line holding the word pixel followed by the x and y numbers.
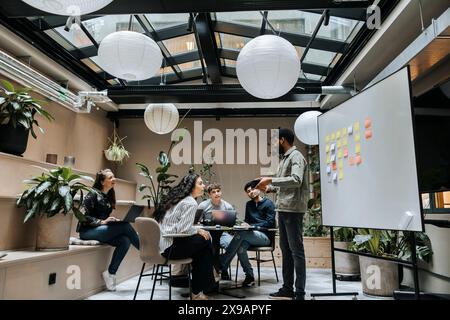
pixel 178 219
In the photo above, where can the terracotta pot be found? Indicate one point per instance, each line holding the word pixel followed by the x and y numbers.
pixel 53 233
pixel 346 264
pixel 378 277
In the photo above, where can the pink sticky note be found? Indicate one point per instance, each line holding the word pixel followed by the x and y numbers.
pixel 345 152
pixel 358 160
pixel 368 123
pixel 351 161
pixel 368 134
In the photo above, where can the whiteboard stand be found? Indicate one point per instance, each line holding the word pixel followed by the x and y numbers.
pixel 333 276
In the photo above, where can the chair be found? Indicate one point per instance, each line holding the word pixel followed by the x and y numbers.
pixel 149 237
pixel 258 258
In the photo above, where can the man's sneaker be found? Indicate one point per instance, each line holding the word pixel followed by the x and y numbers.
pixel 282 294
pixel 224 275
pixel 248 281
pixel 110 280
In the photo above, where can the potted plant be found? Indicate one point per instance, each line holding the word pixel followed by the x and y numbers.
pixel 346 264
pixel 17 112
pixel 381 277
pixel 116 150
pixel 50 199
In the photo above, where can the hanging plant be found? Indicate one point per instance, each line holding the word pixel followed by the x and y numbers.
pixel 116 151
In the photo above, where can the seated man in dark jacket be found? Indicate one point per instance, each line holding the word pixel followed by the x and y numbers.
pixel 259 213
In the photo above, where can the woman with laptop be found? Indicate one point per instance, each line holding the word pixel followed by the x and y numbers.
pixel 101 226
pixel 176 214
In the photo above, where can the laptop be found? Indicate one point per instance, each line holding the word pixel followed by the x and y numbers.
pixel 198 216
pixel 225 218
pixel 134 212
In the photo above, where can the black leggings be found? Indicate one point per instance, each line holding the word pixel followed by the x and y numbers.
pixel 200 250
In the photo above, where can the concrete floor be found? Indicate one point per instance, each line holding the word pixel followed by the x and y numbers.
pixel 317 281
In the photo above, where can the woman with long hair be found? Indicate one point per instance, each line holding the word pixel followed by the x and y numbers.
pixel 175 215
pixel 99 225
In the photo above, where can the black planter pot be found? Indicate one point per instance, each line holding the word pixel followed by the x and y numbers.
pixel 13 140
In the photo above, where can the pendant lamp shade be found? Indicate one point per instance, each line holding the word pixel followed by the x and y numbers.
pixel 68 7
pixel 306 128
pixel 161 118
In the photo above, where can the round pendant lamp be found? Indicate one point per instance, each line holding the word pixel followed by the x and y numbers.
pixel 306 128
pixel 161 118
pixel 68 7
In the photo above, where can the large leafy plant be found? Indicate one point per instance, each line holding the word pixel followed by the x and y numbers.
pixel 53 192
pixel 18 108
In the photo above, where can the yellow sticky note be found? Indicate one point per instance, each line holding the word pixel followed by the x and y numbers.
pixel 338 134
pixel 333 136
pixel 357 137
pixel 356 126
pixel 341 164
pixel 358 148
pixel 341 174
pixel 338 144
pixel 328 158
pixel 327 148
pixel 344 141
pixel 344 132
pixel 340 154
pixel 327 139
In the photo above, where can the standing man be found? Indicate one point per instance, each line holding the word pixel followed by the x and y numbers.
pixel 291 186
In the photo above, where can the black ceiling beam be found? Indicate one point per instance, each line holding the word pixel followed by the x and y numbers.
pixel 359 14
pixel 295 39
pixel 218 113
pixel 208 47
pixel 171 78
pixel 321 70
pixel 305 91
pixel 231 72
pixel 21 9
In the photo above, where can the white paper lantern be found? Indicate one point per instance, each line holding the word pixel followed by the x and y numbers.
pixel 68 7
pixel 268 67
pixel 161 118
pixel 306 128
pixel 129 55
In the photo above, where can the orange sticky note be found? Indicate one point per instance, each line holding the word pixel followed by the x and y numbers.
pixel 351 161
pixel 357 137
pixel 358 159
pixel 345 152
pixel 358 148
pixel 368 134
pixel 334 166
pixel 368 123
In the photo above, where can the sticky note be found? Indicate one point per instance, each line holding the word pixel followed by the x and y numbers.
pixel 351 161
pixel 327 139
pixel 356 126
pixel 327 148
pixel 328 170
pixel 345 152
pixel 344 132
pixel 338 143
pixel 357 137
pixel 358 148
pixel 341 164
pixel 333 136
pixel 367 123
pixel 340 153
pixel 333 158
pixel 341 174
pixel 335 176
pixel 328 158
pixel 333 147
pixel 334 166
pixel 338 134
pixel 358 160
pixel 368 134
pixel 344 141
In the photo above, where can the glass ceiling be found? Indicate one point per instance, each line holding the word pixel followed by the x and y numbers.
pixel 231 31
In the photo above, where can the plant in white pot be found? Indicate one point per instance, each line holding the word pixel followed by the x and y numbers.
pixel 116 151
pixel 50 199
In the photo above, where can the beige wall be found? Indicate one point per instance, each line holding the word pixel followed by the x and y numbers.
pixel 145 146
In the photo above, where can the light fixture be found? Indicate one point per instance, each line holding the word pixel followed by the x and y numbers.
pixel 68 7
pixel 268 67
pixel 161 118
pixel 306 129
pixel 130 55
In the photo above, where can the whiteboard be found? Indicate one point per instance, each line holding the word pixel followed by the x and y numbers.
pixel 377 188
